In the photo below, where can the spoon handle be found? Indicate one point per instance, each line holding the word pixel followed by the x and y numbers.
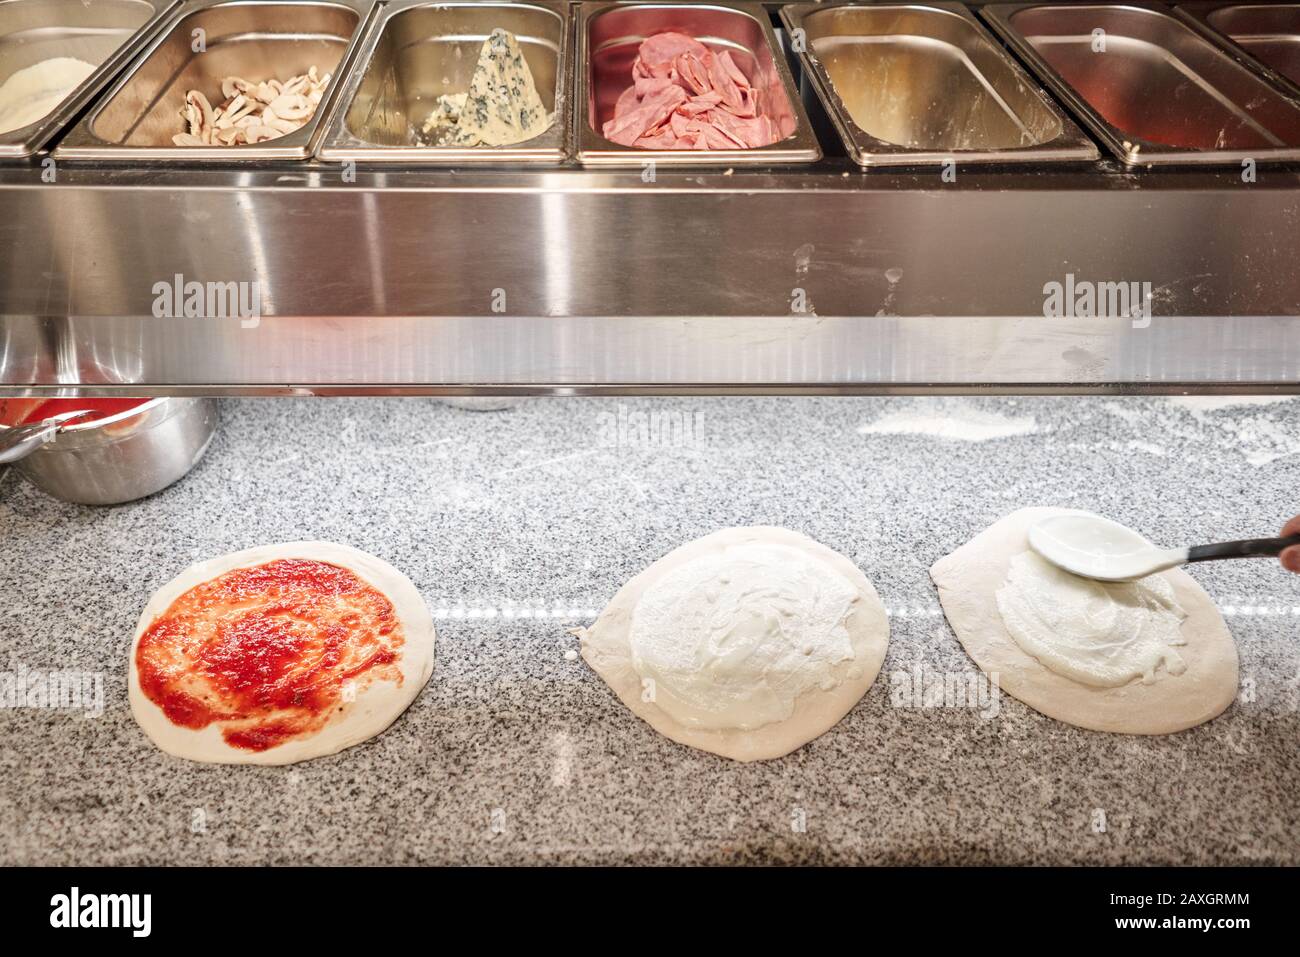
pixel 1248 548
pixel 19 441
pixel 22 440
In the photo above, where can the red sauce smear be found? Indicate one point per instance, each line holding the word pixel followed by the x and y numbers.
pixel 26 411
pixel 269 652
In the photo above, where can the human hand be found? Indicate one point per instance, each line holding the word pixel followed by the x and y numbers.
pixel 1291 556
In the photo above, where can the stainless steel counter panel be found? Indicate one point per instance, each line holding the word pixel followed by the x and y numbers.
pixel 1266 35
pixel 255 39
pixel 106 33
pixel 608 37
pixel 688 283
pixel 1157 91
pixel 419 50
pixel 924 84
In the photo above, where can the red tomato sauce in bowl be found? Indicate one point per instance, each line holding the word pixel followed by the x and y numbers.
pixel 28 411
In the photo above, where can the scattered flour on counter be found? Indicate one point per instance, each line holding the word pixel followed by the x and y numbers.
pixel 1266 442
pixel 1211 403
pixel 1137 445
pixel 1259 427
pixel 951 420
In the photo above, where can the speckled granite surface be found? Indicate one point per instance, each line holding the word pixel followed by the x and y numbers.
pixel 514 753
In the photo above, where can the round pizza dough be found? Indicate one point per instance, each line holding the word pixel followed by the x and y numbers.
pixel 968 581
pixel 606 646
pixel 376 705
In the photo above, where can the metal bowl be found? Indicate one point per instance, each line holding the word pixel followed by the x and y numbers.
pixel 126 456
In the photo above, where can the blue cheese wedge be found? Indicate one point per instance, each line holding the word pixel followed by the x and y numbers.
pixel 502 106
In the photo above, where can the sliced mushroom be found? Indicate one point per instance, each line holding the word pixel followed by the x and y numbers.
pixel 196 99
pixel 291 106
pixel 259 133
pixel 234 85
pixel 251 113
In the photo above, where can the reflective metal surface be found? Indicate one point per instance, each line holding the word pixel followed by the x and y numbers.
pixel 123 457
pixel 754 354
pixel 106 33
pixel 253 39
pixel 419 51
pixel 608 38
pixel 1153 89
pixel 1267 34
pixel 826 278
pixel 909 84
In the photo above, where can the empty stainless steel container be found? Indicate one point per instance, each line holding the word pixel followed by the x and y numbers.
pixel 419 51
pixel 1152 88
pixel 1267 34
pixel 917 84
pixel 105 33
pixel 608 38
pixel 253 39
pixel 126 456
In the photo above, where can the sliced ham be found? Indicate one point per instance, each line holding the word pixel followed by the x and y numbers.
pixel 663 139
pixel 645 86
pixel 665 47
pixel 627 100
pixel 646 115
pixel 700 104
pixel 719 79
pixel 747 130
pixel 693 73
pixel 685 96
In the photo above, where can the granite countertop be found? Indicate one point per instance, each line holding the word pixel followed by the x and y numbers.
pixel 517 752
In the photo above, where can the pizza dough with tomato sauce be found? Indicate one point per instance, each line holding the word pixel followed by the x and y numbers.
pixel 278 654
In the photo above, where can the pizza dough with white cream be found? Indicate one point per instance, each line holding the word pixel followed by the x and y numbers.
pixel 278 654
pixel 1147 657
pixel 748 643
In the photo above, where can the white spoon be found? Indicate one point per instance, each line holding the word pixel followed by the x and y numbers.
pixel 1095 547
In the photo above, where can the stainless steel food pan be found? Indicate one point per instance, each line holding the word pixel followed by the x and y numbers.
pixel 1268 35
pixel 253 39
pixel 608 38
pixel 420 50
pixel 1152 88
pixel 916 84
pixel 106 33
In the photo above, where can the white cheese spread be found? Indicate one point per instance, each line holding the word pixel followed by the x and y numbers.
pixel 1103 634
pixel 730 640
